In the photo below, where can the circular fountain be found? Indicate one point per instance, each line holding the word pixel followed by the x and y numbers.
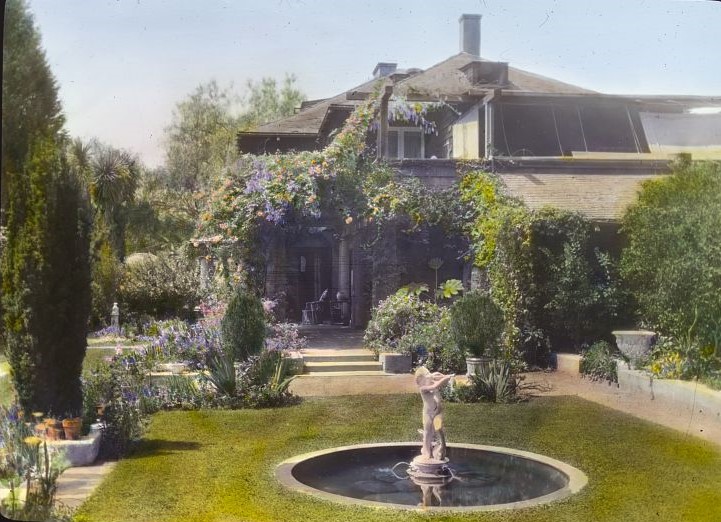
pixel 479 477
pixel 431 474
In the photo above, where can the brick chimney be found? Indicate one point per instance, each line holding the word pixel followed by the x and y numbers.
pixel 384 69
pixel 470 32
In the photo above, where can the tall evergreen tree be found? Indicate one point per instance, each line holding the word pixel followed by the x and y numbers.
pixel 30 103
pixel 45 264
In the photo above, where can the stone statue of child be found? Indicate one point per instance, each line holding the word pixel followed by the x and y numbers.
pixel 430 385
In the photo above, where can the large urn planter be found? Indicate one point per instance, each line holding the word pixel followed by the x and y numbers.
pixel 635 344
pixel 474 364
pixel 396 362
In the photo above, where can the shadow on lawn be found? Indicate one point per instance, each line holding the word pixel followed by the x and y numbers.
pixel 156 447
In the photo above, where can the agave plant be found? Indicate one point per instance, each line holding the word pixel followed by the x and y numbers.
pixel 279 383
pixel 494 382
pixel 221 373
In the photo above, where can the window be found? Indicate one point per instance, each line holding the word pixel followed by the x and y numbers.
pixel 560 130
pixel 406 142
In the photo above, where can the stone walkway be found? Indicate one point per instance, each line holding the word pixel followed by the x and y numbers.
pixel 76 484
pixel 691 423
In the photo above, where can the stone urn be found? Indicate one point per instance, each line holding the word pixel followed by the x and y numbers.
pixel 474 364
pixel 634 344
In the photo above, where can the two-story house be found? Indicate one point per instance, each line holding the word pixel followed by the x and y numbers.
pixel 551 143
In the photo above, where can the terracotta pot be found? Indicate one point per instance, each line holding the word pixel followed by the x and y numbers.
pixel 54 433
pixel 72 428
pixel 40 429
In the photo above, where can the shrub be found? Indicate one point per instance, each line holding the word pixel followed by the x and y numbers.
pixel 286 337
pixel 672 261
pixel 395 318
pixel 119 391
pixel 435 346
pixel 599 363
pixel 243 326
pixel 162 286
pixel 476 324
pixel 555 288
pixel 684 358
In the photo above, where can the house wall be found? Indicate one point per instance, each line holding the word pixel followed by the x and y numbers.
pixel 466 134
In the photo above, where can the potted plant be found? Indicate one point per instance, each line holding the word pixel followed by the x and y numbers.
pixel 72 427
pixel 476 324
pixel 54 429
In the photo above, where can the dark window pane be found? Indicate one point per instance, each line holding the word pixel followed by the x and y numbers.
pixel 607 129
pixel 393 144
pixel 530 130
pixel 569 129
pixel 412 144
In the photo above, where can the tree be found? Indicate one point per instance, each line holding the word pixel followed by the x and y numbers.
pixel 46 280
pixel 45 265
pixel 114 178
pixel 25 72
pixel 267 103
pixel 200 141
pixel 672 261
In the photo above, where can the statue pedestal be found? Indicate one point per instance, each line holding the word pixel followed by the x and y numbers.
pixel 429 471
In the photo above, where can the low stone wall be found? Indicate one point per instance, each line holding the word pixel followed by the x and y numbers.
pixel 569 363
pixel 81 452
pixel 685 396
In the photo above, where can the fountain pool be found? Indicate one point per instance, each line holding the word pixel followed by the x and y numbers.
pixel 475 478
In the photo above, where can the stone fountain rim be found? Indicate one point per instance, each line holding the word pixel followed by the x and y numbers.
pixel 577 479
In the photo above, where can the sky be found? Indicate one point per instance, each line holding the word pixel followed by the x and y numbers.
pixel 122 65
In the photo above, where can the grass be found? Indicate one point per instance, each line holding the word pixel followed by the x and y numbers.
pixel 218 465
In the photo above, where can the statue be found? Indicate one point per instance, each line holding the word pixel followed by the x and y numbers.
pixel 432 459
pixel 115 318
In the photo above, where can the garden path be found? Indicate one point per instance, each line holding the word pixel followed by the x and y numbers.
pixel 656 411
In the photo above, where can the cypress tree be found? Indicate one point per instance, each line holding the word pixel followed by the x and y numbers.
pixel 45 261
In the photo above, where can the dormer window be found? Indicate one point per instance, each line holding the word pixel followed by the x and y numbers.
pixel 406 143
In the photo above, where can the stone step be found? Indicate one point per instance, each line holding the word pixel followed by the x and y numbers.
pixel 350 366
pixel 339 358
pixel 352 383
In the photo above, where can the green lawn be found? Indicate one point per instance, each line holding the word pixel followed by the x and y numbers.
pixel 217 465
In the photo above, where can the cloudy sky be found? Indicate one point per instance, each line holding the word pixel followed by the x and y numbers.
pixel 123 64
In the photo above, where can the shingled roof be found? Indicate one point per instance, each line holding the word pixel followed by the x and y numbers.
pixel 444 79
pixel 447 79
